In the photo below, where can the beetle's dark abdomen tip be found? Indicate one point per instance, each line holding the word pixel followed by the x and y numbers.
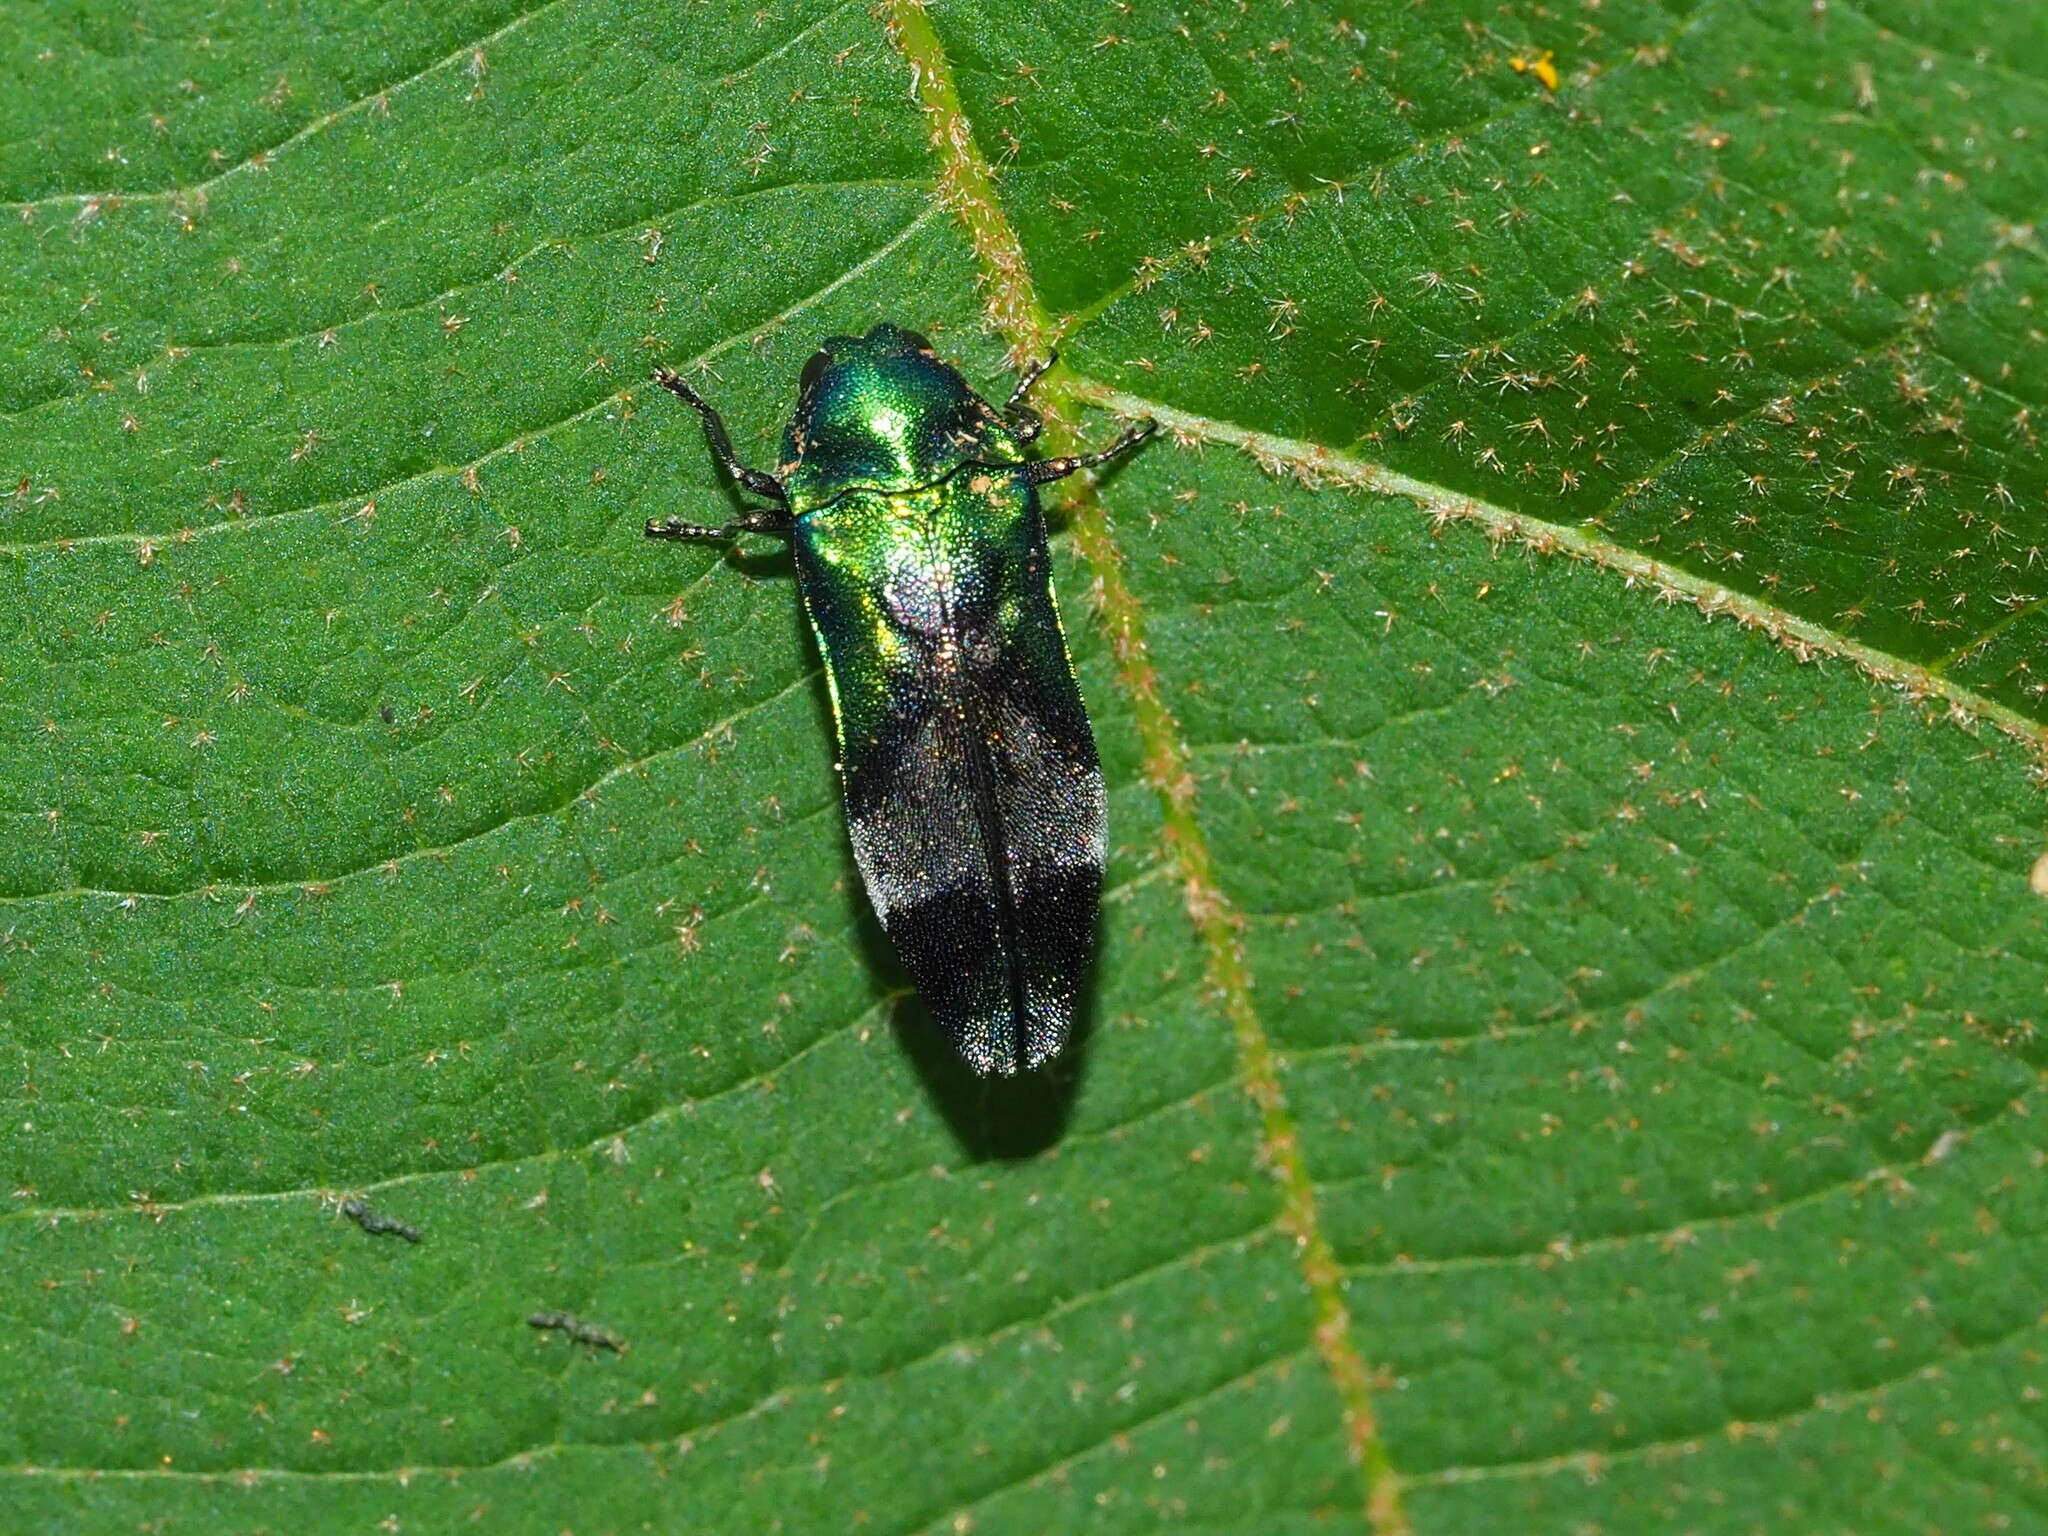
pixel 997 1047
pixel 1003 1019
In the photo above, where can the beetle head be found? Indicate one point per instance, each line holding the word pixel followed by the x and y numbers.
pixel 884 410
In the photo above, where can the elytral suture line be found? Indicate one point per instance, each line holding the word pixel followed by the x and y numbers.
pixel 966 187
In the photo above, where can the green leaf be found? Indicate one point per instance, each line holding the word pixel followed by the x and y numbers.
pixel 1564 1047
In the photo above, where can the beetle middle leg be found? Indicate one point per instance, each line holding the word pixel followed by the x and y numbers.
pixel 1042 470
pixel 773 521
pixel 760 482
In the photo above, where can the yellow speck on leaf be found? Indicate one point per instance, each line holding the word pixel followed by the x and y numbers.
pixel 1540 66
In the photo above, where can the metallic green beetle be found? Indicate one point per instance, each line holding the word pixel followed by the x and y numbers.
pixel 973 794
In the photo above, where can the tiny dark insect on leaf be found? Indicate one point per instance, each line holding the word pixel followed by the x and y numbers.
pixel 577 1331
pixel 376 1223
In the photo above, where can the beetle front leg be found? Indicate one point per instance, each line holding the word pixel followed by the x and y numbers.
pixel 1029 377
pixel 1025 423
pixel 758 481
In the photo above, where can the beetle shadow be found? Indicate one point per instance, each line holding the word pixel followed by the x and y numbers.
pixel 760 559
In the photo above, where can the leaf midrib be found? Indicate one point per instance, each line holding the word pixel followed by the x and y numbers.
pixel 966 184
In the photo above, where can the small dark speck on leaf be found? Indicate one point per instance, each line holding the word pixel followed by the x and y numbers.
pixel 376 1223
pixel 579 1332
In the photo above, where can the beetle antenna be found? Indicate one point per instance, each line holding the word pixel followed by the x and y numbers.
pixel 1025 423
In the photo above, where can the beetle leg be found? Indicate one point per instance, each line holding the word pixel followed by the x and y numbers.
pixel 1029 377
pixel 758 481
pixel 772 521
pixel 1058 469
pixel 1024 423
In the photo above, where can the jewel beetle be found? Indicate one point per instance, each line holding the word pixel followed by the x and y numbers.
pixel 973 794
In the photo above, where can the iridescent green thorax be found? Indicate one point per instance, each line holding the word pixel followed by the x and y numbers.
pixel 884 412
pixel 902 586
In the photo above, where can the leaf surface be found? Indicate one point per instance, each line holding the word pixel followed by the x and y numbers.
pixel 1564 1046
